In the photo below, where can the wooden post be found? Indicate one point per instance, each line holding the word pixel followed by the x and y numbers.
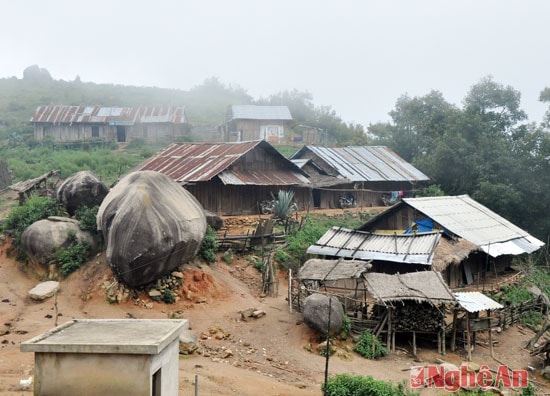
pixel 439 342
pixel 453 336
pixel 414 343
pixel 393 340
pixel 389 330
pixel 443 352
pixel 468 336
pixel 490 333
pixel 290 289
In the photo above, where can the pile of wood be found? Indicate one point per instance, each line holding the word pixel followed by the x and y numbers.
pixel 413 316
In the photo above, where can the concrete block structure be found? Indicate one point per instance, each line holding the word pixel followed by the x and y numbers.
pixel 96 357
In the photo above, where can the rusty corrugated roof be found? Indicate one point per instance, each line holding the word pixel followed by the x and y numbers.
pixel 60 114
pixel 366 163
pixel 198 162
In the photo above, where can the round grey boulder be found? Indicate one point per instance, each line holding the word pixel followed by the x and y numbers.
pixel 316 312
pixel 41 239
pixel 81 189
pixel 150 225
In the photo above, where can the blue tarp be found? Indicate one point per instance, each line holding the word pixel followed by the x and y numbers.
pixel 422 225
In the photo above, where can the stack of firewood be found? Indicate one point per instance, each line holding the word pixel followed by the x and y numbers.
pixel 417 317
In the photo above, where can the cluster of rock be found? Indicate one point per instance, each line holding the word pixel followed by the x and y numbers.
pixel 171 282
pixel 150 226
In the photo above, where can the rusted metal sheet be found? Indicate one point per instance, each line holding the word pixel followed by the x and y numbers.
pixel 399 248
pixel 476 223
pixel 60 114
pixel 476 301
pixel 188 162
pixel 366 163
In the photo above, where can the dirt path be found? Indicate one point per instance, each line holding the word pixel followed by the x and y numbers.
pixel 264 356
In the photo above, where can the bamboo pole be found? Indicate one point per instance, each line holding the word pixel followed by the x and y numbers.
pixel 468 336
pixel 490 334
pixel 453 337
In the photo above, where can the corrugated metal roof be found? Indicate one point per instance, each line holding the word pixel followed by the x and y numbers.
pixel 399 248
pixel 476 301
pixel 198 162
pixel 60 114
pixel 252 112
pixel 366 163
pixel 476 223
pixel 332 270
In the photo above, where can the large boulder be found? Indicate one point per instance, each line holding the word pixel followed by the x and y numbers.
pixel 40 240
pixel 81 189
pixel 150 225
pixel 316 312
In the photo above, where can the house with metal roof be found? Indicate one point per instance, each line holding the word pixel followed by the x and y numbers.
pixel 365 175
pixel 118 124
pixel 481 244
pixel 251 122
pixel 231 178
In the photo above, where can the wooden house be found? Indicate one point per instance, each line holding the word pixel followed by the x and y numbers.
pixel 369 175
pixel 476 243
pixel 231 178
pixel 117 124
pixel 250 122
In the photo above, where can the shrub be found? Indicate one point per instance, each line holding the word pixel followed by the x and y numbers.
pixel 70 259
pixel 35 208
pixel 209 246
pixel 87 217
pixel 349 385
pixel 168 296
pixel 364 346
pixel 346 328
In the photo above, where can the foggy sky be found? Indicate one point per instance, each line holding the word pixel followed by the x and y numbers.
pixel 357 56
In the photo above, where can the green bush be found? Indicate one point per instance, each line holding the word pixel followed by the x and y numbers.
pixel 35 208
pixel 364 346
pixel 87 217
pixel 168 296
pixel 346 328
pixel 209 246
pixel 359 385
pixel 70 259
pixel 514 294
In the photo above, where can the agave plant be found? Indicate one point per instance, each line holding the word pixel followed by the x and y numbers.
pixel 283 205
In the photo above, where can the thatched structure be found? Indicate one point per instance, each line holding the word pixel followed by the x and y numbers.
pixel 332 270
pixel 425 286
pixel 24 188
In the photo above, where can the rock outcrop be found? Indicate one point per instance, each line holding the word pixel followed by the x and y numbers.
pixel 40 240
pixel 81 189
pixel 316 312
pixel 44 290
pixel 150 225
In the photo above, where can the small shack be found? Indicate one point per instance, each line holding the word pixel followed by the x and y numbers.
pixel 343 278
pixel 474 303
pixel 96 357
pixel 412 303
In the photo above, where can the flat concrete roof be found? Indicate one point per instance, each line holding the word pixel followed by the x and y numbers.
pixel 120 336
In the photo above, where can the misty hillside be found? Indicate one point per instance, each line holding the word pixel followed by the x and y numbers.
pixel 205 104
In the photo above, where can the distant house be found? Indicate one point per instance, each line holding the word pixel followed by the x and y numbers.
pixel 476 243
pixel 372 175
pixel 231 178
pixel 119 124
pixel 250 122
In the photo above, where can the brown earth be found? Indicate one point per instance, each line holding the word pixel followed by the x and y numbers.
pixel 266 356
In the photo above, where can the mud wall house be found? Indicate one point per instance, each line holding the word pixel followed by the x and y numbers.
pixel 231 178
pixel 477 245
pixel 250 122
pixel 368 173
pixel 116 124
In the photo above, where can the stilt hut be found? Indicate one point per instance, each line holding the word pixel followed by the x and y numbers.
pixel 413 303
